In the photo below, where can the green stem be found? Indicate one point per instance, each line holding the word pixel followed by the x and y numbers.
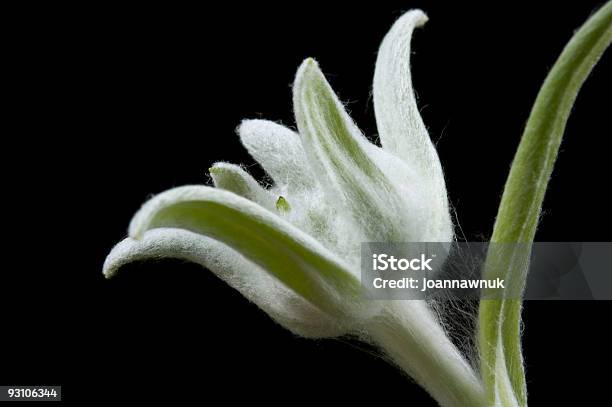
pixel 524 193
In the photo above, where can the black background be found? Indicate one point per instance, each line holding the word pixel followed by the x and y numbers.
pixel 113 104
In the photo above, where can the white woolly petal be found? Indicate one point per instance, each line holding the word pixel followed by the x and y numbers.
pixel 381 193
pixel 233 178
pixel 292 256
pixel 280 303
pixel 400 125
pixel 279 151
pixel 399 122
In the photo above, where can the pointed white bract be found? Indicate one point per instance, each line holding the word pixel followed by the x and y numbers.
pixel 279 302
pixel 279 151
pixel 294 248
pixel 287 253
pixel 233 178
pixel 400 126
pixel 381 193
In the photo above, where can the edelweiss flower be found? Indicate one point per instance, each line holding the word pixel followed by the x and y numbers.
pixel 294 248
